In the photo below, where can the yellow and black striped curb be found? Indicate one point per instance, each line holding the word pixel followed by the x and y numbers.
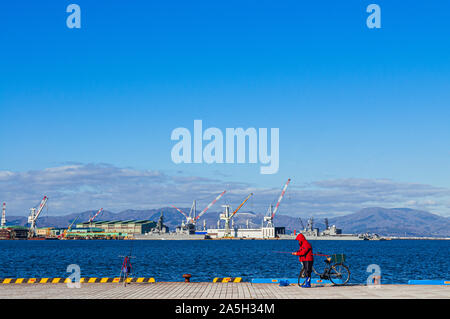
pixel 228 279
pixel 68 280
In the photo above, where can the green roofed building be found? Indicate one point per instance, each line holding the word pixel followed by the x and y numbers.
pixel 130 227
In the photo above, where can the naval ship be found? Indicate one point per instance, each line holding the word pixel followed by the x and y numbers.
pixel 332 233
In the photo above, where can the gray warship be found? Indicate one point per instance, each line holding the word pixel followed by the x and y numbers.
pixel 332 233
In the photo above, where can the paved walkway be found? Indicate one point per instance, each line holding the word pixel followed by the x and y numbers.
pixel 180 290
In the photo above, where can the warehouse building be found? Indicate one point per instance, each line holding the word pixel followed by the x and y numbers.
pixel 14 232
pixel 130 227
pixel 55 232
pixel 258 233
pixel 93 233
pixel 44 232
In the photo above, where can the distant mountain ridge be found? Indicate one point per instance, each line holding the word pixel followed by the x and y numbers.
pixel 383 221
pixel 394 222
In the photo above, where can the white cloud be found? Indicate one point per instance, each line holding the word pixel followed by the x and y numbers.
pixel 80 187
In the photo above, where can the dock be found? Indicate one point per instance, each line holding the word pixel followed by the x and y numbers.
pixel 210 290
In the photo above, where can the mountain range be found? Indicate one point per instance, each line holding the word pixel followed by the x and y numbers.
pixel 382 221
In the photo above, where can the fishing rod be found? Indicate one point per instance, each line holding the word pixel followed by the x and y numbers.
pixel 286 252
pixel 282 252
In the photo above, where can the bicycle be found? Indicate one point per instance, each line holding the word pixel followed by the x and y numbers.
pixel 335 270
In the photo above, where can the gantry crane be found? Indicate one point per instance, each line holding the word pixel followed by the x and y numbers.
pixel 227 216
pixel 271 212
pixel 34 216
pixel 192 218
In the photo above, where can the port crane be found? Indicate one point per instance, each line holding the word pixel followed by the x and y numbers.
pixel 271 212
pixel 209 206
pixel 192 218
pixel 64 234
pixel 96 214
pixel 34 214
pixel 227 216
pixel 4 215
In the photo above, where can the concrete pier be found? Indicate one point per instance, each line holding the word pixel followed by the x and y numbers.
pixel 204 290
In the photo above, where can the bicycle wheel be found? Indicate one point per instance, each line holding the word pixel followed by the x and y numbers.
pixel 301 276
pixel 339 274
pixel 316 272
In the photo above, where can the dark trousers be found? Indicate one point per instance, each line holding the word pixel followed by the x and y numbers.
pixel 307 265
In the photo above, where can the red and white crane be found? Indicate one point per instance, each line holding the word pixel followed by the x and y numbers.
pixel 189 220
pixel 34 216
pixel 192 218
pixel 96 214
pixel 4 215
pixel 209 206
pixel 271 212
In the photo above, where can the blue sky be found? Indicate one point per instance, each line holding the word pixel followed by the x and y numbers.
pixel 351 103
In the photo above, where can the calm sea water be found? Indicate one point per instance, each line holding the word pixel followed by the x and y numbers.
pixel 399 260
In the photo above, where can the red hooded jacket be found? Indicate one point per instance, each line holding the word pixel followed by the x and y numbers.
pixel 305 252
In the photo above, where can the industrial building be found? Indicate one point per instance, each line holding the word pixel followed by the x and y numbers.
pixel 55 232
pixel 92 233
pixel 128 227
pixel 257 233
pixel 44 232
pixel 14 232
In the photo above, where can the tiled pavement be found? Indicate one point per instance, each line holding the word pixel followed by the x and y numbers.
pixel 204 290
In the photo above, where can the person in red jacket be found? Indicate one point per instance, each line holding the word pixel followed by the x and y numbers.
pixel 305 254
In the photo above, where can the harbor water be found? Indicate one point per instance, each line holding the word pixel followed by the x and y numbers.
pixel 165 260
